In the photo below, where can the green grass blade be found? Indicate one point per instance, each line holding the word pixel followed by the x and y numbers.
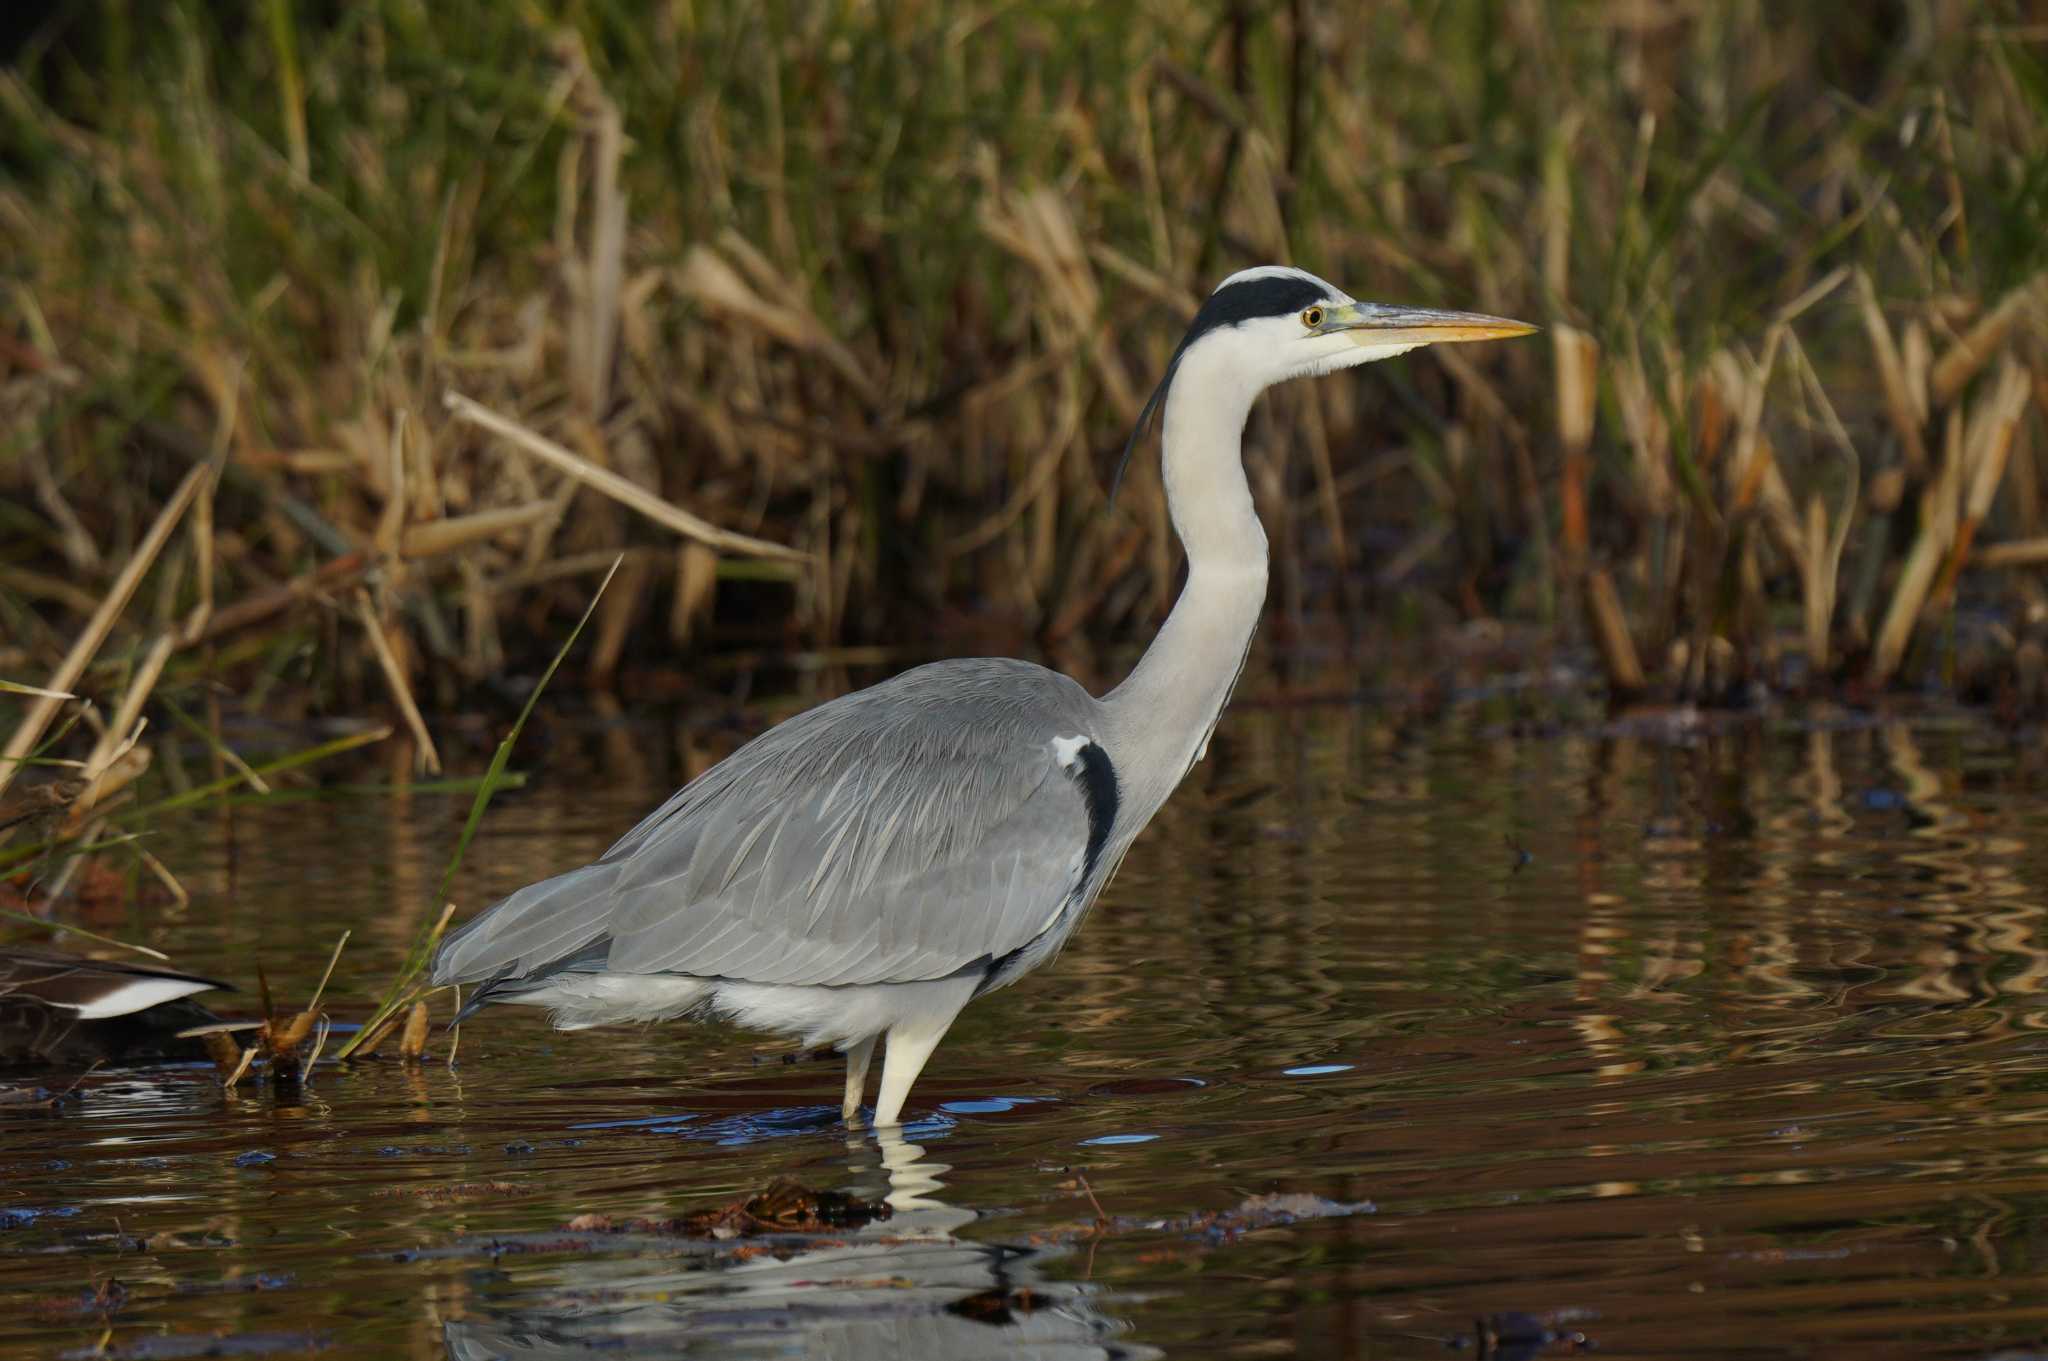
pixel 9 914
pixel 406 987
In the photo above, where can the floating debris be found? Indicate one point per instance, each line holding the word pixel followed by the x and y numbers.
pixel 786 1206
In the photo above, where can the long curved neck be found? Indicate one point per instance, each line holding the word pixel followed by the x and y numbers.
pixel 1158 721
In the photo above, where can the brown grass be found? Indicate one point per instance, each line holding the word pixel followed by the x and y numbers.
pixel 834 322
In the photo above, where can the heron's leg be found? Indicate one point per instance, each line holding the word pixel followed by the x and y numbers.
pixel 910 1044
pixel 857 1056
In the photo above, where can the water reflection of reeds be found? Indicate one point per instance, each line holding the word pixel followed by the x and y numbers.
pixel 1756 1013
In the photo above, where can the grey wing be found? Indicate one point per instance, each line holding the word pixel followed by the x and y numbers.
pixel 904 832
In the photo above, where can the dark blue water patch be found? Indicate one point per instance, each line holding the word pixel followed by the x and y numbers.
pixel 755 1126
pixel 23 1216
pixel 1146 1086
pixel 424 1150
pixel 259 1281
pixel 660 1124
pixel 988 1105
pixel 255 1157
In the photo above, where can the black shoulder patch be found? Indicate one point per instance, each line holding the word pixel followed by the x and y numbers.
pixel 1097 778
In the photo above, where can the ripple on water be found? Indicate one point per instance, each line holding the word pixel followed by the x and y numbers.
pixel 1738 1061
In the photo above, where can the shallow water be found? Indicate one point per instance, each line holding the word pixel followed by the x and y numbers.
pixel 1731 1045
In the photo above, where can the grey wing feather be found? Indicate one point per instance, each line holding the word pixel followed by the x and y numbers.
pixel 899 833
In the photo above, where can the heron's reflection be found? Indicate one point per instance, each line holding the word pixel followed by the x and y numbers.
pixel 906 1287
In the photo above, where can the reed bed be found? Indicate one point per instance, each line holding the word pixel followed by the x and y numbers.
pixel 341 348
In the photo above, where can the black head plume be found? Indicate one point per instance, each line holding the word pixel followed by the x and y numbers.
pixel 1237 300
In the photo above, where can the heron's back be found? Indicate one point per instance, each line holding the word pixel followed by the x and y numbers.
pixel 904 833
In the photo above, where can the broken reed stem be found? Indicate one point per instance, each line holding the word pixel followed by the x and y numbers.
pixel 426 757
pixel 2013 553
pixel 87 645
pixel 412 1045
pixel 241 1068
pixel 629 494
pixel 1977 347
pixel 1611 635
pixel 320 1034
pixel 1923 560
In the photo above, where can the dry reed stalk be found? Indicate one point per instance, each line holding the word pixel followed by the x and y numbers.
pixel 116 761
pixel 696 590
pixel 2012 553
pixel 434 538
pixel 412 1042
pixel 1820 561
pixel 1989 446
pixel 1899 402
pixel 1977 346
pixel 427 757
pixel 1754 456
pixel 1916 357
pixel 629 494
pixel 1611 635
pixel 1052 451
pixel 128 713
pixel 331 575
pixel 36 585
pixel 1177 298
pixel 594 326
pixel 708 280
pixel 1647 429
pixel 76 544
pixel 1578 363
pixel 87 645
pixel 122 767
pixel 1038 228
pixel 1923 560
pixel 615 615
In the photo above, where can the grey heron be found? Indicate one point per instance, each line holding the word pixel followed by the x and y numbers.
pixel 868 867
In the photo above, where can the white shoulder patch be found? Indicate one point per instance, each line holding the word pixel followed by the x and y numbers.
pixel 1067 750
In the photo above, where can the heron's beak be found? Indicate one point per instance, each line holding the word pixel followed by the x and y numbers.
pixel 1374 324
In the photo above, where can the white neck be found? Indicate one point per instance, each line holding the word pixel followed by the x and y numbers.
pixel 1157 723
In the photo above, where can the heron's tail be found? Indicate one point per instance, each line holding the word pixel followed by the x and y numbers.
pixel 529 933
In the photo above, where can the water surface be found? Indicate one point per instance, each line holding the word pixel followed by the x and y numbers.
pixel 1702 1043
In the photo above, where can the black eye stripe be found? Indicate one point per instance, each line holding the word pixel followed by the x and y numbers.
pixel 1276 296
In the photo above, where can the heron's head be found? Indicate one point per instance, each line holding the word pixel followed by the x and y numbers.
pixel 1263 326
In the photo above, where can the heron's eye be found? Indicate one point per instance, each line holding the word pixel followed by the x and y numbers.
pixel 1312 318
